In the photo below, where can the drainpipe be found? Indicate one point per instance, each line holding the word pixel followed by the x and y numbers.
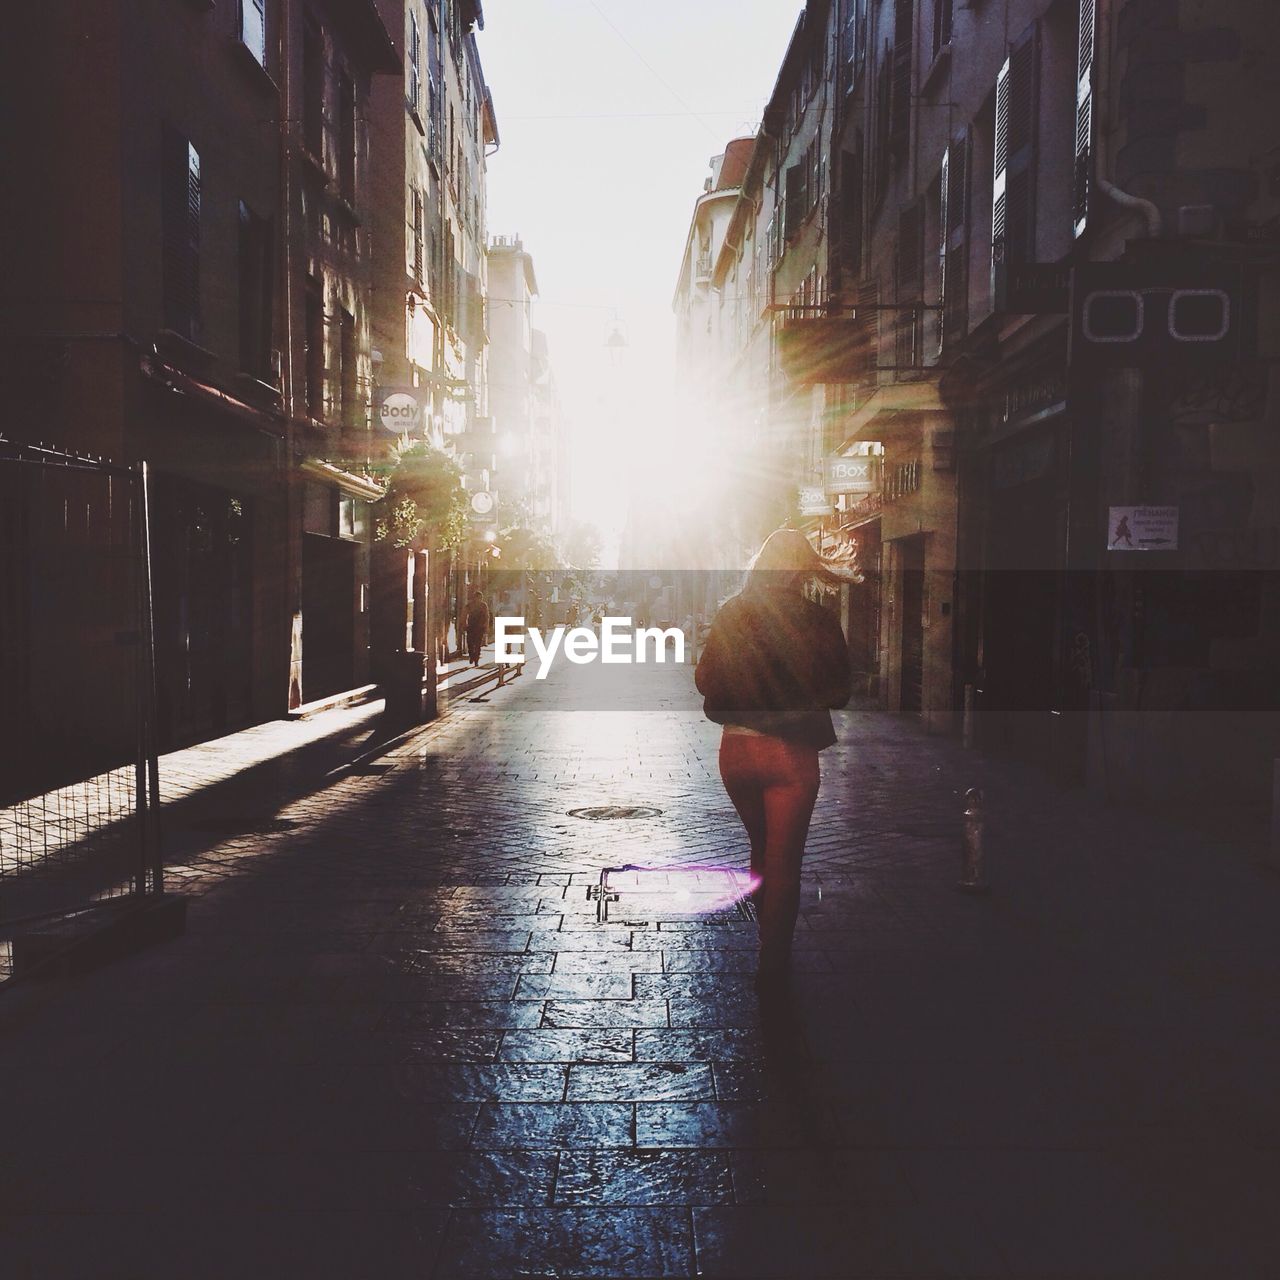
pixel 1102 104
pixel 1149 210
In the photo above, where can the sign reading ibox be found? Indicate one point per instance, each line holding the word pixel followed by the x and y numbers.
pixel 853 475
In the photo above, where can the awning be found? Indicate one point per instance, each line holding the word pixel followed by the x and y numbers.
pixel 893 398
pixel 170 376
pixel 351 484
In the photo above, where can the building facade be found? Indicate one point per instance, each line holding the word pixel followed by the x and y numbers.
pixel 1038 291
pixel 523 399
pixel 209 316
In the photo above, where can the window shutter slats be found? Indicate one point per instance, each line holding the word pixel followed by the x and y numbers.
pixel 180 235
pixel 1001 174
pixel 1084 115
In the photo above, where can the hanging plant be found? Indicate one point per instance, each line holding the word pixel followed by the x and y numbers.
pixel 425 502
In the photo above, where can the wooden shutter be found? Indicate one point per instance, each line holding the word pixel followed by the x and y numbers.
pixel 253 28
pixel 415 63
pixel 1013 184
pixel 1084 114
pixel 1000 177
pixel 180 215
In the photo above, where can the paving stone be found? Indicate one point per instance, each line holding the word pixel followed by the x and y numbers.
pixel 614 962
pixel 644 1178
pixel 640 1081
pixel 575 986
pixel 606 1013
pixel 578 1045
pixel 519 1125
pixel 722 1045
pixel 566 941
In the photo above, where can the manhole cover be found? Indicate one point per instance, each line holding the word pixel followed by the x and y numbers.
pixel 608 812
pixel 714 895
pixel 245 826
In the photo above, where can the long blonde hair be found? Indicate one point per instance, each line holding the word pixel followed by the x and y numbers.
pixel 787 560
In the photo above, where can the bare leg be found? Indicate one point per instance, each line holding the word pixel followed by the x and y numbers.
pixel 748 799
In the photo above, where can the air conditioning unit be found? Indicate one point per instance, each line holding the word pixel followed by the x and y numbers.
pixel 1197 222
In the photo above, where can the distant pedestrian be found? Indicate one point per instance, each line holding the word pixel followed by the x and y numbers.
pixel 773 663
pixel 476 626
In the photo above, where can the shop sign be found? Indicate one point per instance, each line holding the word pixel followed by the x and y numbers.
pixel 813 501
pixel 1023 400
pixel 401 410
pixel 1143 529
pixel 853 475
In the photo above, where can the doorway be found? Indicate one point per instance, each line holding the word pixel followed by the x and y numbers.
pixel 328 616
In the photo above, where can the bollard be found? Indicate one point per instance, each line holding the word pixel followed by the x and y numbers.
pixel 973 866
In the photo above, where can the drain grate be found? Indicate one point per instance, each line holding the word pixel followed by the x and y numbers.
pixel 644 895
pixel 610 812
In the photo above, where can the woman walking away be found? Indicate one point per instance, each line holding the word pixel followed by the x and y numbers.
pixel 773 663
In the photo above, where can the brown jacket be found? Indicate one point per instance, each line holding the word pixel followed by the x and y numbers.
pixel 775 662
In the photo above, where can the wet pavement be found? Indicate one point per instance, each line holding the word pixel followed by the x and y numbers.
pixel 398 1041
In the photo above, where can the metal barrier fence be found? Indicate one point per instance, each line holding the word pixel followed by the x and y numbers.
pixel 79 775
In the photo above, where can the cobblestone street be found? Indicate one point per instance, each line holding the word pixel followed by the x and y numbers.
pixel 396 1041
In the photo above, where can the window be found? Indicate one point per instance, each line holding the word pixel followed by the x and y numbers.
pixel 803 187
pixel 1013 185
pixel 314 322
pixel 347 139
pixel 417 229
pixel 255 294
pixel 414 68
pixel 313 91
pixel 853 42
pixel 253 28
pixel 942 16
pixel 348 383
pixel 180 234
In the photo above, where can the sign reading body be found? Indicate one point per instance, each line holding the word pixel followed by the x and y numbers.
pixel 853 475
pixel 813 501
pixel 1143 529
pixel 402 410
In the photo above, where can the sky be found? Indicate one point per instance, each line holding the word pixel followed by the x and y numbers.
pixel 609 112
